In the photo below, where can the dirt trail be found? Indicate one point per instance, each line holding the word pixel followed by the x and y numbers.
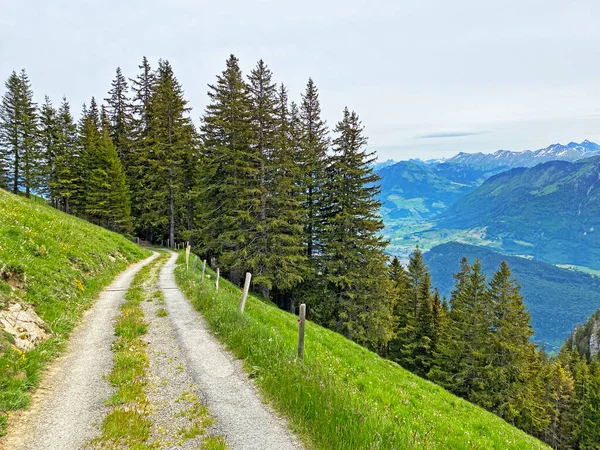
pixel 241 416
pixel 69 405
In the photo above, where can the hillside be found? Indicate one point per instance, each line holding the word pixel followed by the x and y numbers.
pixel 544 288
pixel 342 396
pixel 549 212
pixel 56 264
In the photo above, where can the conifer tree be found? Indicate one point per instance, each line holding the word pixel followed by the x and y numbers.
pixel 88 140
pixel 589 430
pixel 107 196
pixel 510 350
pixel 461 359
pixel 353 250
pixel 19 141
pixel 10 139
pixel 262 114
pixel 48 141
pixel 120 115
pixel 286 258
pixel 138 167
pixel 65 183
pixel 312 158
pixel 410 299
pixel 559 398
pixel 171 140
pixel 232 191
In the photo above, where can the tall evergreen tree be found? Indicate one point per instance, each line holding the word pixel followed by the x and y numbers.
pixel 171 139
pixel 286 259
pixel 120 115
pixel 65 183
pixel 354 269
pixel 19 141
pixel 312 158
pixel 48 140
pixel 232 189
pixel 88 140
pixel 461 358
pixel 138 167
pixel 107 196
pixel 510 351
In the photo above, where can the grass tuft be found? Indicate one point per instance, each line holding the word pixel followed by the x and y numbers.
pixel 128 423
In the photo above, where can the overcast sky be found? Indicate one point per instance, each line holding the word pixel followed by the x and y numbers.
pixel 429 78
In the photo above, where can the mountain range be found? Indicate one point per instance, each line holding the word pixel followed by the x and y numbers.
pixel 543 210
pixel 506 159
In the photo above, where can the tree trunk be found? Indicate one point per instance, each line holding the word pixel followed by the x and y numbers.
pixel 171 209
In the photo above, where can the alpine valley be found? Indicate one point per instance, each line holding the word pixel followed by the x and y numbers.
pixel 538 210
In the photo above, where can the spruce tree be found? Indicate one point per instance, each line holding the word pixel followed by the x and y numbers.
pixel 120 115
pixel 88 140
pixel 172 142
pixel 559 398
pixel 19 140
pixel 262 114
pixel 353 261
pixel 48 140
pixel 66 180
pixel 138 167
pixel 312 158
pixel 285 256
pixel 461 356
pixel 107 196
pixel 231 186
pixel 509 352
pixel 416 315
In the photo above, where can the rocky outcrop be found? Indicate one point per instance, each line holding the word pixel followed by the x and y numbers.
pixel 595 338
pixel 24 325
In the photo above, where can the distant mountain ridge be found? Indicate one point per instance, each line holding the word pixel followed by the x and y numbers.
pixel 506 159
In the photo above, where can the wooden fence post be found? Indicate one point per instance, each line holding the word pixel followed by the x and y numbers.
pixel 195 264
pixel 203 269
pixel 302 322
pixel 217 280
pixel 245 293
pixel 187 257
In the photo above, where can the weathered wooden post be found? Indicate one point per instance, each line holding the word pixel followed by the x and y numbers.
pixel 203 269
pixel 217 280
pixel 195 264
pixel 187 257
pixel 302 322
pixel 245 293
pixel 138 240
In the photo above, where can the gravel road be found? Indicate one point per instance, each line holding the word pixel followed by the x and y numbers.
pixel 69 405
pixel 242 418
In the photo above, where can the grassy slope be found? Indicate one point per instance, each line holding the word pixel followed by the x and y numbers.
pixel 58 264
pixel 343 396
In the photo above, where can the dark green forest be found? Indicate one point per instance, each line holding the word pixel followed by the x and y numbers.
pixel 545 288
pixel 265 186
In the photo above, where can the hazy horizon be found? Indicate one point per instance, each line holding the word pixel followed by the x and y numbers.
pixel 429 79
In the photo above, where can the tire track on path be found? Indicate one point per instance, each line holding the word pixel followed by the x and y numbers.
pixel 242 417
